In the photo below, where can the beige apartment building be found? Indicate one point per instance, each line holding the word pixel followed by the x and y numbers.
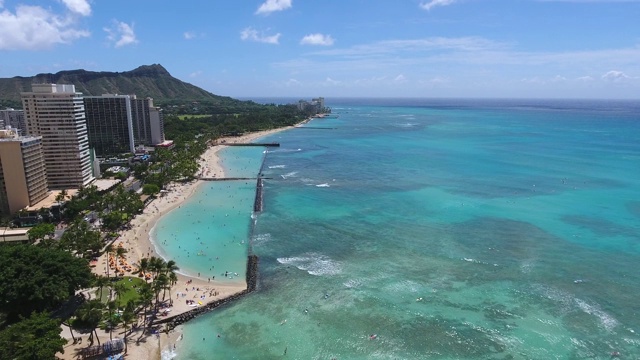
pixel 56 113
pixel 23 180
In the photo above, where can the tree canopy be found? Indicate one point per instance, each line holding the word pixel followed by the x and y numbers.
pixel 34 278
pixel 36 337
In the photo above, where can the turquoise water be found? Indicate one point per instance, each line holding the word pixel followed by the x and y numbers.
pixel 449 229
pixel 208 234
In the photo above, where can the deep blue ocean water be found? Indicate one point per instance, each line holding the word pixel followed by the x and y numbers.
pixel 431 229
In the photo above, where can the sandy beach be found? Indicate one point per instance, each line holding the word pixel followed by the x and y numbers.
pixel 138 244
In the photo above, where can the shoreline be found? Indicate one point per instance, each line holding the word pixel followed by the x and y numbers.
pixel 138 243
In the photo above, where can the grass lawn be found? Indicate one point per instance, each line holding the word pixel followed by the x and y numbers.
pixel 182 117
pixel 131 293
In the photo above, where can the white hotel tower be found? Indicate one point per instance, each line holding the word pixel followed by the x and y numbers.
pixel 56 112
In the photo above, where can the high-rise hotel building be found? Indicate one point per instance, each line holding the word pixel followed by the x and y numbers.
pixel 56 113
pixel 13 118
pixel 118 124
pixel 110 124
pixel 148 124
pixel 23 180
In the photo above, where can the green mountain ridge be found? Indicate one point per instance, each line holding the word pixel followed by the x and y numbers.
pixel 145 81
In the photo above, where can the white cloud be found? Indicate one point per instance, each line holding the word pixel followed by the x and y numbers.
pixel 189 35
pixel 400 79
pixel 121 34
pixel 36 28
pixel 559 78
pixel 615 76
pixel 329 81
pixel 292 82
pixel 317 39
pixel 585 78
pixel 433 3
pixel 270 6
pixel 195 74
pixel 81 7
pixel 251 34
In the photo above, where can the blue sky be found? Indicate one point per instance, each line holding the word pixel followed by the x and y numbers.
pixel 336 48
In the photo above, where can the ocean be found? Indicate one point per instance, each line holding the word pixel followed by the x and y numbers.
pixel 426 229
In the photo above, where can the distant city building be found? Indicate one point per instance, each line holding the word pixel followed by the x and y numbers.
pixel 319 103
pixel 316 105
pixel 110 124
pixel 13 118
pixel 23 180
pixel 148 122
pixel 56 113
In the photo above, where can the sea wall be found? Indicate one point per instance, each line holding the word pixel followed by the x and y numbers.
pixel 257 204
pixel 252 283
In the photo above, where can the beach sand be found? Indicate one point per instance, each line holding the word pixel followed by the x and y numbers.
pixel 138 244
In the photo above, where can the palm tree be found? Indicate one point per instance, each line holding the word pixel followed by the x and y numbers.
pixel 112 321
pixel 90 313
pixel 109 250
pixel 173 279
pixel 143 267
pixel 145 298
pixel 62 195
pixel 119 288
pixel 101 282
pixel 120 251
pixel 157 265
pixel 68 324
pixel 170 269
pixel 159 283
pixel 127 318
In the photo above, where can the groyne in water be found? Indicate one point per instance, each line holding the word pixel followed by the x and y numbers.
pixel 257 203
pixel 252 283
pixel 253 144
pixel 226 178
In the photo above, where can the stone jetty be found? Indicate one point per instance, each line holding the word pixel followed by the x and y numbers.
pixel 252 283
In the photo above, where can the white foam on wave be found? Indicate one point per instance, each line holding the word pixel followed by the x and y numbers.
pixel 323 185
pixel 607 321
pixel 290 174
pixel 168 354
pixel 285 150
pixel 569 303
pixel 404 286
pixel 405 125
pixel 260 239
pixel 353 283
pixel 314 264
pixel 277 166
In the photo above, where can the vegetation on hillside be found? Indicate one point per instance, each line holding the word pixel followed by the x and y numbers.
pixel 145 81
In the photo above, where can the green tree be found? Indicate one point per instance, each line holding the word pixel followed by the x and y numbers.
pixel 150 189
pixel 34 278
pixel 143 267
pixel 62 195
pixel 100 283
pixel 127 318
pixel 81 239
pixel 111 317
pixel 90 315
pixel 36 337
pixel 109 250
pixel 41 232
pixel 145 299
